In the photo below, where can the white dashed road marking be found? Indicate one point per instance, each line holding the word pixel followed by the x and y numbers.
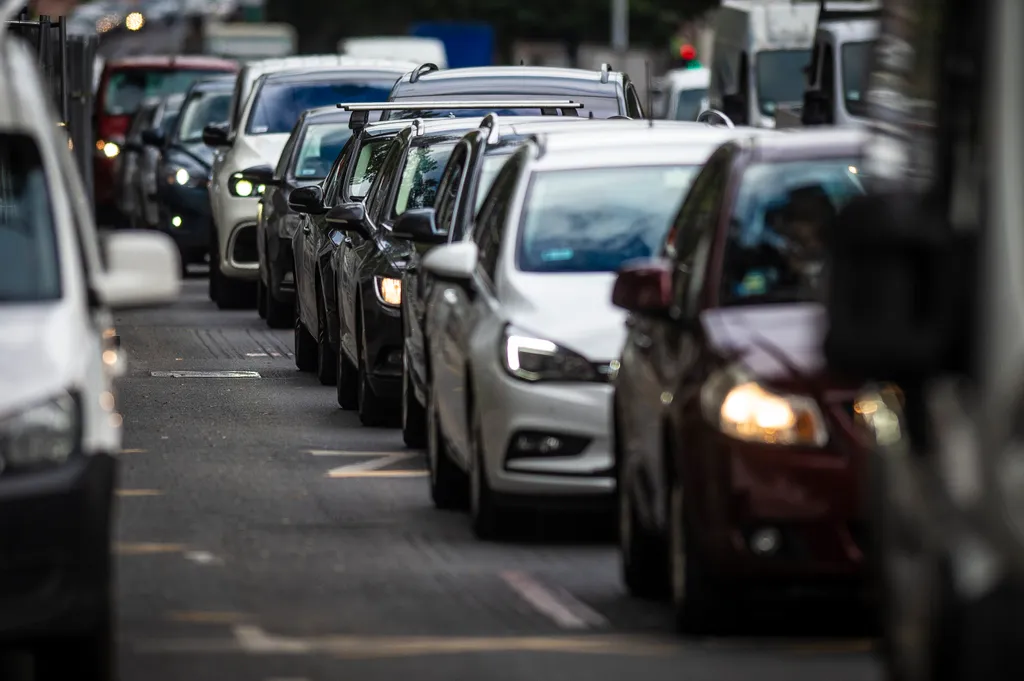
pixel 205 374
pixel 557 605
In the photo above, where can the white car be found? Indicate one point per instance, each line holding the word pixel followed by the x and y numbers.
pixel 60 430
pixel 256 137
pixel 524 339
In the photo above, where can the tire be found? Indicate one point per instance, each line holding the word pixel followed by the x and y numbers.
pixel 233 294
pixel 644 567
pixel 326 358
pixel 414 416
pixel 347 383
pixel 305 347
pixel 374 412
pixel 261 299
pixel 279 315
pixel 448 484
pixel 484 516
pixel 85 657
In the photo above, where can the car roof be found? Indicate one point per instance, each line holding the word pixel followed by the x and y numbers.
pixel 636 133
pixel 218 83
pixel 809 144
pixel 692 151
pixel 510 80
pixel 189 61
pixel 324 114
pixel 325 72
pixel 311 60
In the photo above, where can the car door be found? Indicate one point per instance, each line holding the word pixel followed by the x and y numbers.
pixel 466 306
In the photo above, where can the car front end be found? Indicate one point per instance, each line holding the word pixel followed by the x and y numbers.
pixel 184 204
pixel 382 339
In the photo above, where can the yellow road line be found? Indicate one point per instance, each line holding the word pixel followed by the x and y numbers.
pixel 377 474
pixel 145 549
pixel 133 451
pixel 138 493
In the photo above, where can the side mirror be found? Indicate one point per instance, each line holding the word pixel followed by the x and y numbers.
pixel 898 308
pixel 349 217
pixel 216 136
pixel 153 138
pixel 453 262
pixel 644 287
pixel 308 200
pixel 143 270
pixel 262 174
pixel 418 226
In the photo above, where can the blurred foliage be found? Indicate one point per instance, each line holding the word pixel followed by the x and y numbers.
pixel 322 23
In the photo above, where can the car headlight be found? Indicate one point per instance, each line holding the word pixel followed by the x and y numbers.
pixel 536 359
pixel 243 188
pixel 43 434
pixel 108 148
pixel 389 290
pixel 880 412
pixel 743 409
pixel 178 175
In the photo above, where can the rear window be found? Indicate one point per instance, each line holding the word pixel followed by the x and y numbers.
pixel 29 264
pixel 128 88
pixel 279 104
pixel 593 107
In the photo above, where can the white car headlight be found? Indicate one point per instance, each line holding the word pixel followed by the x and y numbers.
pixel 535 359
pixel 43 434
pixel 243 188
pixel 743 409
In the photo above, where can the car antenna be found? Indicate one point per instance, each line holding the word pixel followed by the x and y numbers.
pixel 650 94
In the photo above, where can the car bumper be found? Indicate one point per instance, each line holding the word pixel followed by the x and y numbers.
pixel 281 273
pixel 383 349
pixel 810 501
pixel 518 417
pixel 185 216
pixel 235 221
pixel 55 530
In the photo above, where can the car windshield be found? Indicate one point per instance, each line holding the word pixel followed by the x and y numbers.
pixel 371 156
pixel 593 107
pixel 775 251
pixel 202 109
pixel 319 148
pixel 169 117
pixel 593 220
pixel 29 264
pixel 488 171
pixel 128 88
pixel 780 78
pixel 689 103
pixel 279 104
pixel 421 175
pixel 856 62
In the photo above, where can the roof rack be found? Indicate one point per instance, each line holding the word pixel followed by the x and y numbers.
pixel 361 111
pixel 422 69
pixel 605 72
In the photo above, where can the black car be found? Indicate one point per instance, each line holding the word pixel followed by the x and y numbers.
pixel 369 265
pixel 604 93
pixel 316 329
pixel 183 170
pixel 308 156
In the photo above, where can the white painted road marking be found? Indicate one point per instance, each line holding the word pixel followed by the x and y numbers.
pixel 203 558
pixel 256 354
pixel 340 452
pixel 376 464
pixel 255 640
pixel 205 374
pixel 559 606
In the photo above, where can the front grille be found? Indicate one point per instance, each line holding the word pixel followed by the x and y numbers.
pixel 243 250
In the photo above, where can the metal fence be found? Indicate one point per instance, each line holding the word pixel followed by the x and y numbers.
pixel 67 63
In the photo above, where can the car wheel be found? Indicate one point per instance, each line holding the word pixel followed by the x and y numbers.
pixel 414 416
pixel 279 315
pixel 348 382
pixel 261 299
pixel 305 347
pixel 642 553
pixel 373 411
pixel 485 517
pixel 447 482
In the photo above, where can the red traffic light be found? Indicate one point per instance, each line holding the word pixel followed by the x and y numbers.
pixel 687 52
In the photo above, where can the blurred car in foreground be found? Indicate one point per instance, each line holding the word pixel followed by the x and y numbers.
pixel 739 464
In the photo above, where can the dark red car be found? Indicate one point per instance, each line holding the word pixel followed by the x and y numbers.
pixel 739 464
pixel 124 85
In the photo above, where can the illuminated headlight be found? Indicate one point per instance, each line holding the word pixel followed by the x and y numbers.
pixel 742 408
pixel 108 149
pixel 43 434
pixel 181 176
pixel 241 187
pixel 389 290
pixel 880 413
pixel 536 359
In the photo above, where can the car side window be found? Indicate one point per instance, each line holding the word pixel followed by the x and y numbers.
pixel 687 213
pixel 449 189
pixel 633 107
pixel 491 222
pixel 380 190
pixel 286 154
pixel 332 185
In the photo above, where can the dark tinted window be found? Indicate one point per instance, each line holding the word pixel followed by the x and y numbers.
pixel 593 107
pixel 319 148
pixel 202 109
pixel 775 250
pixel 856 59
pixel 29 263
pixel 279 104
pixel 128 88
pixel 780 77
pixel 420 177
pixel 368 163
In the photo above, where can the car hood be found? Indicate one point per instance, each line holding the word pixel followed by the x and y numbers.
pixel 198 152
pixel 267 148
pixel 36 354
pixel 572 310
pixel 775 342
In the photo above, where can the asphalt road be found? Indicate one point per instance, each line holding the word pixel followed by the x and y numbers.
pixel 247 550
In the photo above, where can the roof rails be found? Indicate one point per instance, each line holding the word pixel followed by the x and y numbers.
pixel 605 72
pixel 361 111
pixel 704 116
pixel 422 69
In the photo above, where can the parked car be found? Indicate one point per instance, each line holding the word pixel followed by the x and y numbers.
pixel 183 196
pixel 604 93
pixel 123 86
pixel 739 469
pixel 523 337
pixel 269 115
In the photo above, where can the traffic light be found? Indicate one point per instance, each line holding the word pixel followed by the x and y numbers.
pixel 688 57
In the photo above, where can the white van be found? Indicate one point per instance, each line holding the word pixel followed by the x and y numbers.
pixel 683 93
pixel 60 429
pixel 406 47
pixel 760 52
